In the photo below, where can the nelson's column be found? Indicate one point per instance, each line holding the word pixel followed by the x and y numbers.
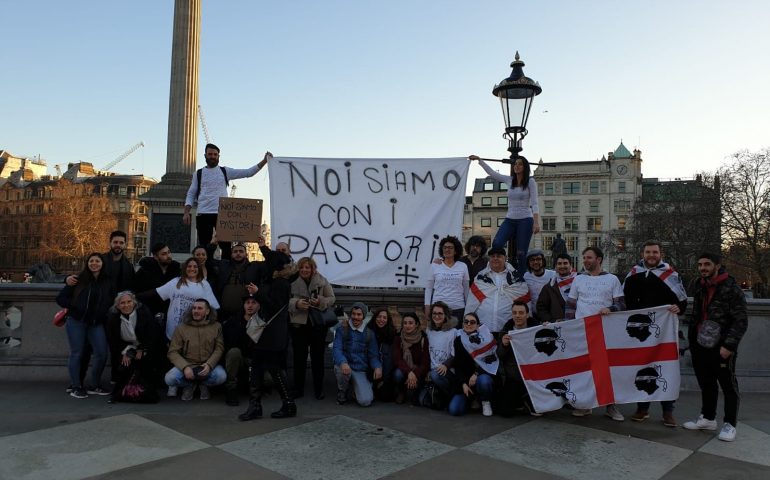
pixel 166 199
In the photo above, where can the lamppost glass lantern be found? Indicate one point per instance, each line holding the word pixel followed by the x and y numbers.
pixel 516 94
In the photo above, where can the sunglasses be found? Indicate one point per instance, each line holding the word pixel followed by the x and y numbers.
pixel 469 322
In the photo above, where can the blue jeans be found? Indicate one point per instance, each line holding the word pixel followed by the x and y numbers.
pixel 176 378
pixel 483 390
pixel 443 382
pixel 77 333
pixel 362 387
pixel 520 230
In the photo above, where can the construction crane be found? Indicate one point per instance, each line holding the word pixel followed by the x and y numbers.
pixel 123 156
pixel 203 124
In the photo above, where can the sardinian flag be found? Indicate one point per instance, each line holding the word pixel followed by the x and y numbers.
pixel 622 357
pixel 666 273
pixel 482 347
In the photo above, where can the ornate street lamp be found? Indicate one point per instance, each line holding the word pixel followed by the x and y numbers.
pixel 516 94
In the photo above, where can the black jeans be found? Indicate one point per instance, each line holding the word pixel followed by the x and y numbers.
pixel 712 370
pixel 205 224
pixel 304 338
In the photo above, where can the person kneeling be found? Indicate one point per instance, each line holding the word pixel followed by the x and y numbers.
pixel 476 363
pixel 196 345
pixel 355 352
pixel 410 352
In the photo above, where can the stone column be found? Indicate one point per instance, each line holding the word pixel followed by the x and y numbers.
pixel 183 96
pixel 166 199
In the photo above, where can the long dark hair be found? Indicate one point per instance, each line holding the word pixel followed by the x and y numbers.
pixel 526 174
pixel 86 277
pixel 385 334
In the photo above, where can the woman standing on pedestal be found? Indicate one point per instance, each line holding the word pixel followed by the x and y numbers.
pixel 523 217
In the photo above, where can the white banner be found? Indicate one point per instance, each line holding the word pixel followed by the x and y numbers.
pixel 623 357
pixel 367 222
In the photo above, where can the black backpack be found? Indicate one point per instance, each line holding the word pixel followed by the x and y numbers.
pixel 199 174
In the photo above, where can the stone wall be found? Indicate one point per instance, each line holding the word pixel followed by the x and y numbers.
pixel 32 348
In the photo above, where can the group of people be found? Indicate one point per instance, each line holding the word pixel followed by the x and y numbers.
pixel 209 322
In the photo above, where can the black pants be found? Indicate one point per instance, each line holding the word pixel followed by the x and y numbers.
pixel 712 370
pixel 205 224
pixel 509 397
pixel 304 338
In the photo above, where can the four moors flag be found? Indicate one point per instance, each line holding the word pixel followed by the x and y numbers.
pixel 622 357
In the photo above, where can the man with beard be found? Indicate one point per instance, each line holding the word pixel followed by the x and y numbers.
pixel 475 258
pixel 154 272
pixel 651 283
pixel 235 275
pixel 595 292
pixel 208 185
pixel 553 297
pixel 537 277
pixel 719 321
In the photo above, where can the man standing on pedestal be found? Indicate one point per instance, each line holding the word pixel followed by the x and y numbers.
pixel 651 283
pixel 208 185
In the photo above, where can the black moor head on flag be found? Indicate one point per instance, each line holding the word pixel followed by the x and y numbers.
pixel 561 389
pixel 648 379
pixel 491 358
pixel 475 338
pixel 547 339
pixel 641 326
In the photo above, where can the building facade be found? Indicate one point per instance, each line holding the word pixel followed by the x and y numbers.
pixel 589 202
pixel 40 216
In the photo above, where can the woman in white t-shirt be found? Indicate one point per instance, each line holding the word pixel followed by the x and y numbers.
pixel 449 280
pixel 183 291
pixel 441 338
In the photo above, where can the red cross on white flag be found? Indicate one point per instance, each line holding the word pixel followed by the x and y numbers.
pixel 623 357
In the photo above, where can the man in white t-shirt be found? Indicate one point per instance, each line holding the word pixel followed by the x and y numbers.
pixel 537 277
pixel 208 185
pixel 595 292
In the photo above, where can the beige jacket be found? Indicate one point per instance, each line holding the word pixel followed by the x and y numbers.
pixel 195 343
pixel 300 290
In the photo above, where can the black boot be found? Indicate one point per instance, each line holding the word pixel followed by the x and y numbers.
pixel 288 407
pixel 254 410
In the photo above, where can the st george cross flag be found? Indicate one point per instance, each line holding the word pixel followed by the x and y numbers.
pixel 622 357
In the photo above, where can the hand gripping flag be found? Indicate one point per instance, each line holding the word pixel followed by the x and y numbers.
pixel 623 357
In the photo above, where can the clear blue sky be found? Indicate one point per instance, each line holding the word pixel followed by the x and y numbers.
pixel 686 82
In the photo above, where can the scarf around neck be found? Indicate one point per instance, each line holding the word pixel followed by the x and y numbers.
pixel 665 273
pixel 407 340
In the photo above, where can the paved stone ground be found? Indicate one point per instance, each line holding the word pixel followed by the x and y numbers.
pixel 45 434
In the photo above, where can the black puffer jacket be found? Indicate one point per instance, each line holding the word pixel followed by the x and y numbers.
pixel 89 300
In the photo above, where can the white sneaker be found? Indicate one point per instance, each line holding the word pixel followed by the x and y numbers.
pixel 172 391
pixel 728 433
pixel 702 424
pixel 613 413
pixel 486 409
pixel 581 412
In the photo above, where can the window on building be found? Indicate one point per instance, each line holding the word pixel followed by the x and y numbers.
pixel 122 207
pixel 571 206
pixel 502 186
pixel 622 222
pixel 548 206
pixel 40 209
pixel 486 222
pixel 486 201
pixel 122 190
pixel 620 244
pixel 622 206
pixel 549 224
pixel 549 188
pixel 593 241
pixel 489 186
pixel 141 226
pixel 502 201
pixel 572 243
pixel 621 187
pixel 570 188
pixel 141 209
pixel 593 206
pixel 594 224
pixel 593 186
pixel 547 242
pixel 500 220
pixel 572 224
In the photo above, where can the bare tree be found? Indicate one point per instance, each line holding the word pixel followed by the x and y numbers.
pixel 745 197
pixel 684 215
pixel 76 227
